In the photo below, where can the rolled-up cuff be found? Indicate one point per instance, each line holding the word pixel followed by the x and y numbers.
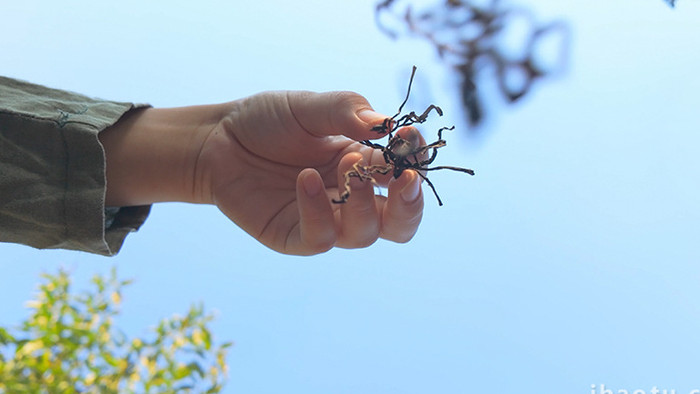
pixel 52 171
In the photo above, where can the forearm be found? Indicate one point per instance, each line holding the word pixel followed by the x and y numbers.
pixel 151 154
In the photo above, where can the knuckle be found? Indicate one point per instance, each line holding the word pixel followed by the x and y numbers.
pixel 317 234
pixel 402 238
pixel 344 106
pixel 344 98
pixel 318 244
pixel 360 237
pixel 401 228
pixel 366 241
pixel 322 245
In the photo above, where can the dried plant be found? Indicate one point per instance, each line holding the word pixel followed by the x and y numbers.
pixel 401 154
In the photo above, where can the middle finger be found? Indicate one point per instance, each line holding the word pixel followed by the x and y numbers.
pixel 358 216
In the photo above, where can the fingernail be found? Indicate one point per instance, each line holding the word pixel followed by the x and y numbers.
pixel 371 117
pixel 311 185
pixel 410 192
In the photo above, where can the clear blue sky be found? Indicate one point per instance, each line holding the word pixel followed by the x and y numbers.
pixel 571 259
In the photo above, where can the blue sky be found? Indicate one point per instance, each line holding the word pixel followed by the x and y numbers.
pixel 571 259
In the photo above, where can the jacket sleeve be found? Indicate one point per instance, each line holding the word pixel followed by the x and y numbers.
pixel 52 171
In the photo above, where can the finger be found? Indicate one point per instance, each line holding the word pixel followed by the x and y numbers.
pixel 316 232
pixel 411 136
pixel 403 210
pixel 359 219
pixel 335 113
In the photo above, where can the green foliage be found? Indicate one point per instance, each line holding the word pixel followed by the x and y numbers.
pixel 69 344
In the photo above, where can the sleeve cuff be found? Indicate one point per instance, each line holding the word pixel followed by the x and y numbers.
pixel 52 189
pixel 119 222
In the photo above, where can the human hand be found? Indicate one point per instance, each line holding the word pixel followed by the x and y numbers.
pixel 272 163
pixel 275 160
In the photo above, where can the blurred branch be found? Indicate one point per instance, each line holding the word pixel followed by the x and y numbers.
pixel 469 37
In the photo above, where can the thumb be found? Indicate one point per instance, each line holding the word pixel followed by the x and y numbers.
pixel 335 113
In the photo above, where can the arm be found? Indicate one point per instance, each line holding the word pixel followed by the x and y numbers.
pixel 151 154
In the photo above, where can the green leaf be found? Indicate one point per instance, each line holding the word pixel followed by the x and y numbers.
pixel 72 339
pixel 5 336
pixel 181 372
pixel 226 345
pixel 194 366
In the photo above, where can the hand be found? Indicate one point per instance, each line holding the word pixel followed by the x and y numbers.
pixel 275 160
pixel 272 163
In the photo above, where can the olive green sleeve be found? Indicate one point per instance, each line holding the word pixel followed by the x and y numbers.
pixel 52 171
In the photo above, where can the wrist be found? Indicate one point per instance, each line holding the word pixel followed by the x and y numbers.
pixel 151 154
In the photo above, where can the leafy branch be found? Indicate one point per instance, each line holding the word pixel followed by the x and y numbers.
pixel 69 344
